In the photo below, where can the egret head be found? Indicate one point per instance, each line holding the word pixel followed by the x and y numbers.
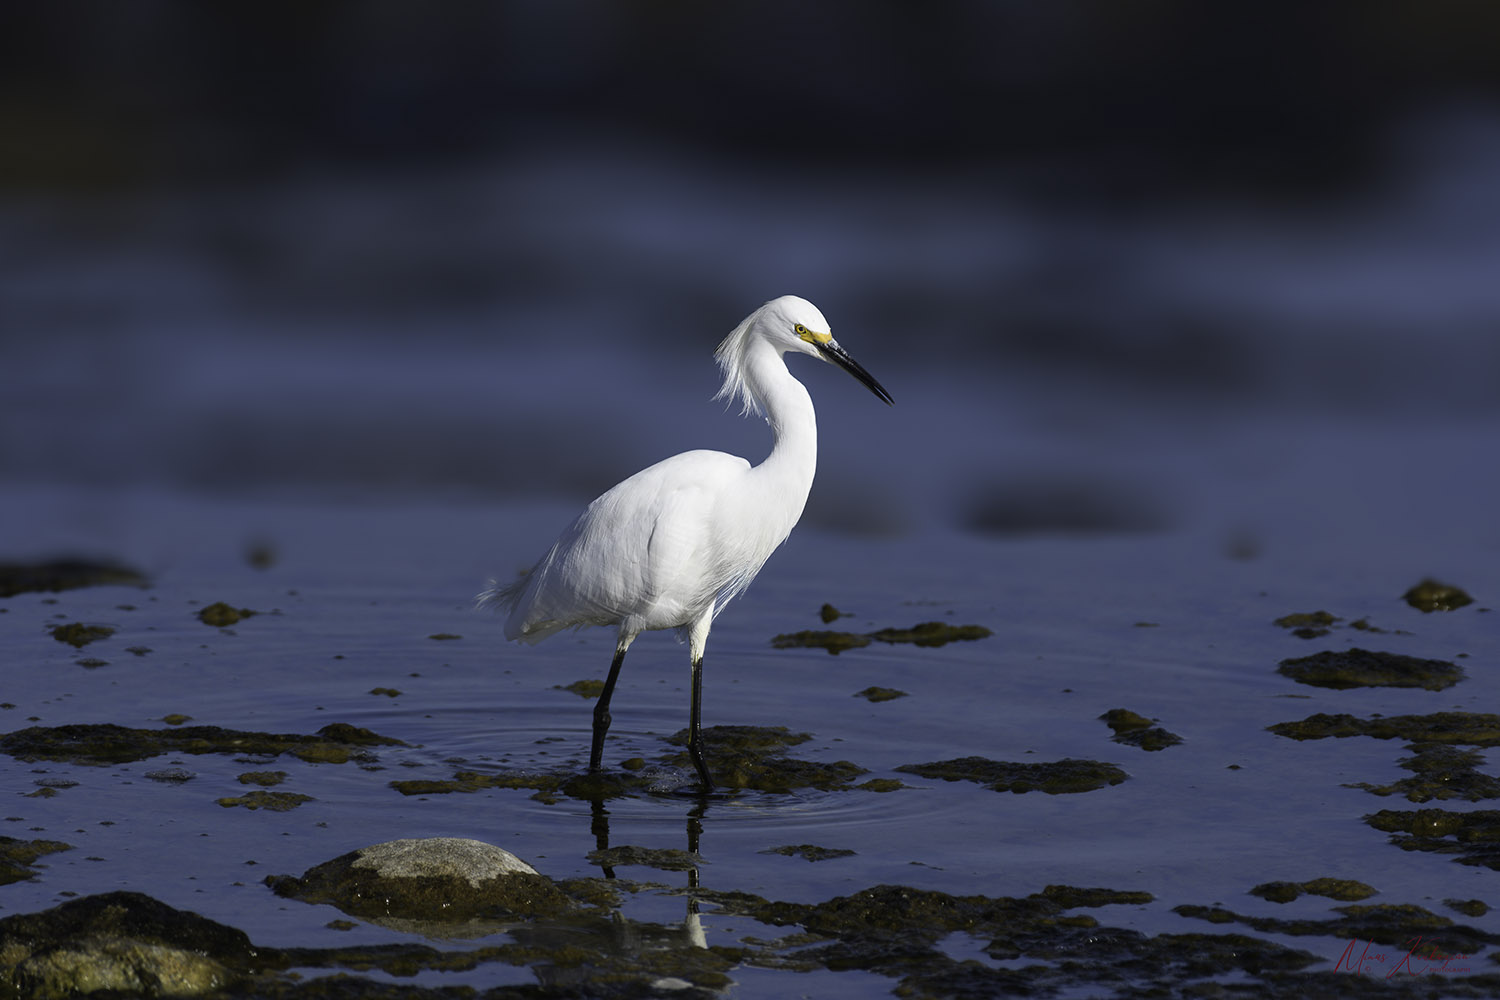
pixel 789 323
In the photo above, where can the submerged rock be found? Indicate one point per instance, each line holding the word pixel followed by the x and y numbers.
pixel 1362 668
pixel 1053 777
pixel 1134 730
pixel 106 743
pixel 430 879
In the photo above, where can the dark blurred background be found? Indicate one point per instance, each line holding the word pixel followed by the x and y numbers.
pixel 376 248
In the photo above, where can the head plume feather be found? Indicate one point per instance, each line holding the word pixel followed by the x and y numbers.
pixel 730 354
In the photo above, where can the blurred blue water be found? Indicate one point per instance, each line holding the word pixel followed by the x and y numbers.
pixel 543 325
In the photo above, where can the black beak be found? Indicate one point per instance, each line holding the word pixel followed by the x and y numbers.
pixel 833 352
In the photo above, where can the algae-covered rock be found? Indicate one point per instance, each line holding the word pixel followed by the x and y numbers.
pixel 1308 624
pixel 1135 730
pixel 751 757
pixel 431 879
pixel 1473 836
pixel 590 688
pixel 880 694
pixel 106 743
pixel 1347 890
pixel 271 801
pixel 1475 728
pixel 1053 777
pixel 124 942
pixel 1362 668
pixel 834 642
pixel 78 635
pixel 221 615
pixel 932 634
pixel 17 856
pixel 1430 595
pixel 923 634
pixel 1440 771
pixel 1401 925
pixel 57 575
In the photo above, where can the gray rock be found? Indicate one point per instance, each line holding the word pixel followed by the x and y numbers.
pixel 429 879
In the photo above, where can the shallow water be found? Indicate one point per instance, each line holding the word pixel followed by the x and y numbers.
pixel 1173 624
pixel 1125 444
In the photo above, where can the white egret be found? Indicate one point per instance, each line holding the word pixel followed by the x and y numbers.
pixel 670 546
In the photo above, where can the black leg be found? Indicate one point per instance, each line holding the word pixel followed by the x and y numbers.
pixel 601 711
pixel 695 728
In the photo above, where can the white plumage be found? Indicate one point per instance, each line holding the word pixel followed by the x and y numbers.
pixel 670 546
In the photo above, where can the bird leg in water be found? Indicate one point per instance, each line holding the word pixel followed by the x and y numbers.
pixel 695 727
pixel 601 711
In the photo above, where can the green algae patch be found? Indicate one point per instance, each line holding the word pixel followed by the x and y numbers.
pixel 1473 728
pixel 1473 836
pixel 57 575
pixel 592 688
pixel 810 852
pixel 107 743
pixel 752 757
pixel 1135 730
pixel 1342 889
pixel 834 642
pixel 932 634
pixel 78 635
pixel 270 801
pixel 874 694
pixel 17 857
pixel 1308 624
pixel 829 614
pixel 265 779
pixel 1362 668
pixel 1430 595
pixel 1055 778
pixel 221 615
pixel 1440 771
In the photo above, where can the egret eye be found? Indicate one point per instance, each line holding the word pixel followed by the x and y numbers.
pixel 800 330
